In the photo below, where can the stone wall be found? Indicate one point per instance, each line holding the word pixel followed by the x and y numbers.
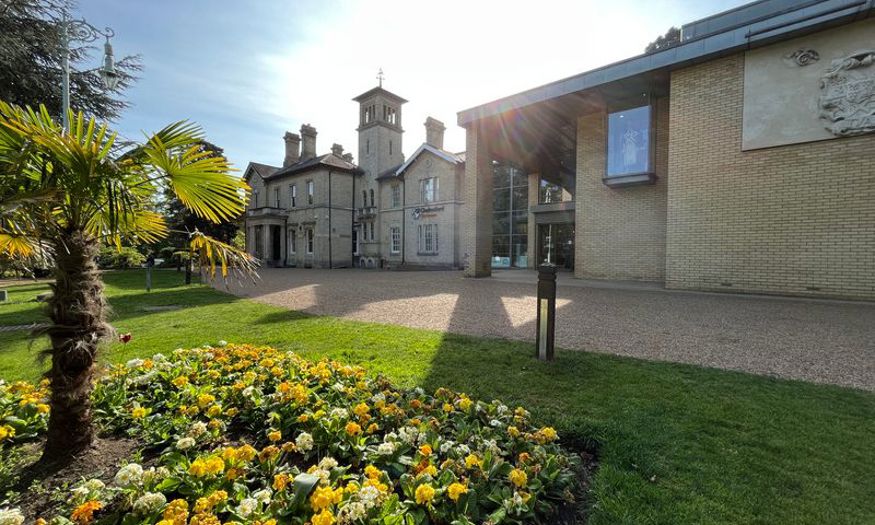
pixel 619 232
pixel 796 219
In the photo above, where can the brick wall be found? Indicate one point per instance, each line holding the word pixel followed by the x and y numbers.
pixel 620 232
pixel 797 219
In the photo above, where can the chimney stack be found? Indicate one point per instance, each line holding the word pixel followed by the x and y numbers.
pixel 337 149
pixel 308 138
pixel 293 148
pixel 348 157
pixel 434 132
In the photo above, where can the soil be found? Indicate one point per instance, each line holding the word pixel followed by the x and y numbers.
pixel 577 513
pixel 39 481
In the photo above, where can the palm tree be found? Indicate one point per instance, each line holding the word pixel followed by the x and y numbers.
pixel 63 194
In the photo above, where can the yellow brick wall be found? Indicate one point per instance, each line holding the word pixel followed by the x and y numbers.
pixel 619 232
pixel 797 219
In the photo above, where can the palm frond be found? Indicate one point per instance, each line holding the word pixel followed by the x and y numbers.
pixel 214 254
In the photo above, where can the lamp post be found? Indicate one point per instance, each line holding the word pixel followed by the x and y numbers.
pixel 82 31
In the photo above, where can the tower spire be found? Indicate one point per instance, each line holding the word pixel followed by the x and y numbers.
pixel 380 77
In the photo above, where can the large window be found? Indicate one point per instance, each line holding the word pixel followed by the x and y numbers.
pixel 629 142
pixel 395 235
pixel 396 195
pixel 428 190
pixel 371 193
pixel 293 196
pixel 310 241
pixel 311 190
pixel 428 239
pixel 510 221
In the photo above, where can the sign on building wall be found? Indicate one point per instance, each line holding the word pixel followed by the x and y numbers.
pixel 816 87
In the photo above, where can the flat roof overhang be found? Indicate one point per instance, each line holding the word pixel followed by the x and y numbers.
pixel 808 18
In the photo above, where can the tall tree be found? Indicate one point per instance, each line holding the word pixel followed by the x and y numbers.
pixel 70 193
pixel 671 38
pixel 31 50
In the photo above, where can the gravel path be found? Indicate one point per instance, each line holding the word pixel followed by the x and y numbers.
pixel 818 341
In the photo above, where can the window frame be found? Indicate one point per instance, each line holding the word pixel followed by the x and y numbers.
pixel 394 240
pixel 428 239
pixel 423 183
pixel 311 241
pixel 632 178
pixel 293 196
pixel 311 192
pixel 396 195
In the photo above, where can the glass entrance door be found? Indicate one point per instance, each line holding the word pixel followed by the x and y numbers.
pixel 556 245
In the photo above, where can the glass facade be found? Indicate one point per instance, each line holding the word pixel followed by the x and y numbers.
pixel 510 220
pixel 629 142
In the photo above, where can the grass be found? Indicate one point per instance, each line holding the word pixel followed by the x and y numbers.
pixel 676 443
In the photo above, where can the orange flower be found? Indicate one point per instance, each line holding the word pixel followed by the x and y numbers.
pixel 84 514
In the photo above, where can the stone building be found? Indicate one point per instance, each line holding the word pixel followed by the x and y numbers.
pixel 741 159
pixel 327 212
pixel 301 214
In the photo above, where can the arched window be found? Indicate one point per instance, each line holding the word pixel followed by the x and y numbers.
pixel 372 197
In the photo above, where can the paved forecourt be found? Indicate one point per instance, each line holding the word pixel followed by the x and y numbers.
pixel 813 340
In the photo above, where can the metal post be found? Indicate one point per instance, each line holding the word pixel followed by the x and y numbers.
pixel 546 321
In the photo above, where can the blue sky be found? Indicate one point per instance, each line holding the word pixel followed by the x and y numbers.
pixel 247 71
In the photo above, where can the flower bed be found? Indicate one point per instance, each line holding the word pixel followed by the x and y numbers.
pixel 254 435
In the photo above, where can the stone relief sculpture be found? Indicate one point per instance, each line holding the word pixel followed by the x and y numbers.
pixel 803 57
pixel 847 95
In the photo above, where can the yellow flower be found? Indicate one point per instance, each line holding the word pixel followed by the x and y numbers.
pixel 138 412
pixel 473 461
pixel 197 468
pixel 176 512
pixel 465 403
pixel 513 431
pixel 518 477
pixel 425 450
pixel 214 410
pixel 323 518
pixel 353 428
pixel 361 410
pixel 322 497
pixel 205 400
pixel 180 381
pixel 455 491
pixel 373 472
pixel 424 494
pixel 6 432
pixel 281 481
pixel 448 408
pixel 42 408
pixel 549 433
pixel 430 470
pixel 274 435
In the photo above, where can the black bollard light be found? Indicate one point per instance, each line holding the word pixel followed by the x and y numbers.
pixel 546 324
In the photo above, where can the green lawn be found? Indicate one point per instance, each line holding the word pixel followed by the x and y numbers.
pixel 676 443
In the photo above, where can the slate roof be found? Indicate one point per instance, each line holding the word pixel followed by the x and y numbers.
pixel 263 170
pixel 398 171
pixel 329 160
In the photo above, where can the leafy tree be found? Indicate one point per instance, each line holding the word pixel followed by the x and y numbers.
pixel 72 192
pixel 30 51
pixel 671 38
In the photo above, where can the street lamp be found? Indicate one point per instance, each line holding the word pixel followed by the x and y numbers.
pixel 82 31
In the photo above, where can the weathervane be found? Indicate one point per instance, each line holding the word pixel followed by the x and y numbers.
pixel 380 77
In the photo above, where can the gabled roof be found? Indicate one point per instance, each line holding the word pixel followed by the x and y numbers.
pixel 746 27
pixel 329 161
pixel 398 171
pixel 263 170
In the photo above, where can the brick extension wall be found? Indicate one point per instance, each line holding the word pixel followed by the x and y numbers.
pixel 620 232
pixel 796 219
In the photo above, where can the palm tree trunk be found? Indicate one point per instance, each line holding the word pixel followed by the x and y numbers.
pixel 78 312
